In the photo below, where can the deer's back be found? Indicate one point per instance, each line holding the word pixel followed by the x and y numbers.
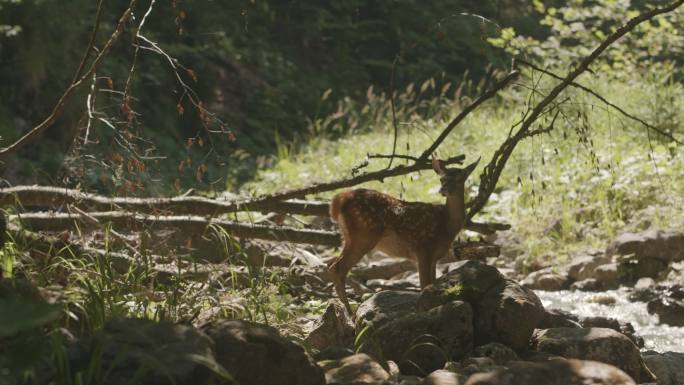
pixel 414 224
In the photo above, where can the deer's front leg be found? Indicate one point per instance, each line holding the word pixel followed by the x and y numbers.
pixel 426 270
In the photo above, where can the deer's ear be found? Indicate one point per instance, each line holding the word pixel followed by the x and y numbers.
pixel 472 166
pixel 437 166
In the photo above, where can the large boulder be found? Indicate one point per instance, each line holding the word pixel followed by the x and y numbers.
pixel 139 351
pixel 418 342
pixel 597 344
pixel 503 311
pixel 384 307
pixel 359 369
pixel 625 328
pixel 667 245
pixel 256 354
pixel 333 328
pixel 668 367
pixel 555 372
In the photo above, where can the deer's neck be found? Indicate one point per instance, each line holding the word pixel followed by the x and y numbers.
pixel 455 208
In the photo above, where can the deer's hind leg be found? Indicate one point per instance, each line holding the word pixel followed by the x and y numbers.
pixel 355 247
pixel 340 267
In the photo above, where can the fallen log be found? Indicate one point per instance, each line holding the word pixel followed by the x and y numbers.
pixel 185 226
pixel 57 198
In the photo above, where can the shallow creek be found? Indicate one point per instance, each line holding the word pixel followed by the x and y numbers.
pixel 658 337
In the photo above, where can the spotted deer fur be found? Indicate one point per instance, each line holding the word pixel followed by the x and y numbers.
pixel 370 220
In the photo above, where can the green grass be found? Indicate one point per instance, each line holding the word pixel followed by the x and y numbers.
pixel 597 174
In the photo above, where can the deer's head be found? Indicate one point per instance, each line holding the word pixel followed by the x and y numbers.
pixel 452 179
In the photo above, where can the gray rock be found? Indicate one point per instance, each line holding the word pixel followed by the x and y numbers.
pixel 472 365
pixel 333 328
pixel 443 377
pixel 670 310
pixel 510 245
pixel 582 267
pixel 139 351
pixel 598 344
pixel 418 342
pixel 667 245
pixel 668 367
pixel 358 369
pixel 557 372
pixel 466 281
pixel 607 275
pixel 545 279
pixel 589 284
pixel 383 269
pixel 632 268
pixel 508 314
pixel 498 353
pixel 503 311
pixel 555 318
pixel 384 307
pixel 257 354
pixel 625 328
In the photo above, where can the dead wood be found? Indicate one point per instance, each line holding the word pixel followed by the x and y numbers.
pixel 58 198
pixel 184 226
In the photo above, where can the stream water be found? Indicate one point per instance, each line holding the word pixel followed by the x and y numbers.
pixel 658 337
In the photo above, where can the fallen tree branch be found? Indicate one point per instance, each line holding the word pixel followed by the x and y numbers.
pixel 186 226
pixel 57 198
pixel 36 131
pixel 604 100
pixel 349 182
pixel 492 172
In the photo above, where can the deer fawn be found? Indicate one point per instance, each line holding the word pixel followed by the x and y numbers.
pixel 370 220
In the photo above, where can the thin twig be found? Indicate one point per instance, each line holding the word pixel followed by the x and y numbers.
pixel 492 171
pixel 91 43
pixel 604 100
pixel 58 109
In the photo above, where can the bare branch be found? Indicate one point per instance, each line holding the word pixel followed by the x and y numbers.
pixel 186 226
pixel 604 100
pixel 36 131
